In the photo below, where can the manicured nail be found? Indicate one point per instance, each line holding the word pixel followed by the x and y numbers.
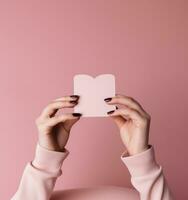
pixel 73 102
pixel 75 96
pixel 108 99
pixel 76 114
pixel 110 112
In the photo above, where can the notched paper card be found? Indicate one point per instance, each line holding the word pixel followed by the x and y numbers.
pixel 92 92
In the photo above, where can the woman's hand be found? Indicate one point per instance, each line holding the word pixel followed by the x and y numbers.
pixel 132 121
pixel 54 129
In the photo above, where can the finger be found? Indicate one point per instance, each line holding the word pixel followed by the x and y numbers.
pixel 119 120
pixel 69 104
pixel 63 118
pixel 68 98
pixel 71 99
pixel 126 101
pixel 69 123
pixel 126 113
pixel 53 107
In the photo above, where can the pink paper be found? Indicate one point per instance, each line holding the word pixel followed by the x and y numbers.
pixel 92 92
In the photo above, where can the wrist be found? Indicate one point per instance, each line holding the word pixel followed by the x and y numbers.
pixel 48 160
pixel 50 147
pixel 141 164
pixel 136 151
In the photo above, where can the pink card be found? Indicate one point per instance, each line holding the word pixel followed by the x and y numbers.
pixel 92 92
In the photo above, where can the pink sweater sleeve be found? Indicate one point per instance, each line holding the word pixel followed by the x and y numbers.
pixel 39 177
pixel 147 176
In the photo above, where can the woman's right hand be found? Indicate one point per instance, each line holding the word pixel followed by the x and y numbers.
pixel 54 129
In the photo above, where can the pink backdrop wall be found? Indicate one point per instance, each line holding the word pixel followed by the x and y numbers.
pixel 43 44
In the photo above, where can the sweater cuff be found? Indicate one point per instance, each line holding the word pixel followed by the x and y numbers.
pixel 140 164
pixel 49 160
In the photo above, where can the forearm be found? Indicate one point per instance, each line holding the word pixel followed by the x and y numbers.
pixel 147 176
pixel 39 177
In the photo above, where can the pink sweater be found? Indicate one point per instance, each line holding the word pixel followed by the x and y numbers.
pixel 39 177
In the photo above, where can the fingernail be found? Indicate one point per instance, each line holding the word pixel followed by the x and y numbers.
pixel 74 96
pixel 116 107
pixel 74 102
pixel 108 99
pixel 76 114
pixel 110 112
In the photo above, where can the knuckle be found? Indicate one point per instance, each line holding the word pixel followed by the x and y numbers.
pixel 144 121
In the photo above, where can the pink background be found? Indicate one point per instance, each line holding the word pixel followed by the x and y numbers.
pixel 43 44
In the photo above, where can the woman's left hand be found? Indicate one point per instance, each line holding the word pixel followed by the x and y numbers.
pixel 133 123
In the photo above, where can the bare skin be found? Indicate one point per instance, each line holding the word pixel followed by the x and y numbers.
pixel 54 130
pixel 132 121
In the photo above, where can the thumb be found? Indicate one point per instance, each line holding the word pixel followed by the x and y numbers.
pixel 119 121
pixel 69 123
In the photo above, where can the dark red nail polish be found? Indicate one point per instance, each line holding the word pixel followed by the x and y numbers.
pixel 110 112
pixel 76 114
pixel 74 102
pixel 74 96
pixel 108 99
